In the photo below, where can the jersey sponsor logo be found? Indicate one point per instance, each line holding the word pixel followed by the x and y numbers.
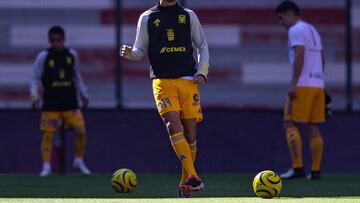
pixel 172 49
pixel 182 19
pixel 61 84
pixel 157 22
pixel 170 34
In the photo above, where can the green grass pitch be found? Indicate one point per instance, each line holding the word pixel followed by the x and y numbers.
pixel 163 188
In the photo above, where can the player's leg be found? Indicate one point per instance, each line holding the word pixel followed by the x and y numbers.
pixel 294 142
pixel 49 124
pixel 46 149
pixel 190 114
pixel 74 119
pixel 296 110
pixel 316 146
pixel 189 126
pixel 316 139
pixel 167 101
pixel 181 147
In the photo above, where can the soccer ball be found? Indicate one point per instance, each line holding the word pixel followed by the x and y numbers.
pixel 124 181
pixel 267 184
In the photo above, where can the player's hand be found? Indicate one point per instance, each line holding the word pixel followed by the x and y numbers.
pixel 199 79
pixel 125 51
pixel 35 104
pixel 85 101
pixel 292 92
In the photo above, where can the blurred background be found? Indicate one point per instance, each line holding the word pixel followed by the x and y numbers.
pixel 249 74
pixel 249 63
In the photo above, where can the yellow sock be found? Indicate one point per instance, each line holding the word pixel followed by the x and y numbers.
pixel 80 143
pixel 46 146
pixel 295 146
pixel 184 174
pixel 193 150
pixel 182 150
pixel 316 145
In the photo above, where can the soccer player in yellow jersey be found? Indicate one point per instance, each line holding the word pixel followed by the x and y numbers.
pixel 56 74
pixel 306 95
pixel 173 38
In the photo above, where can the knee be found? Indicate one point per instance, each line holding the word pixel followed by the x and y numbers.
pixel 314 131
pixel 81 135
pixel 190 139
pixel 80 131
pixel 190 136
pixel 48 136
pixel 190 132
pixel 288 124
pixel 47 139
pixel 173 127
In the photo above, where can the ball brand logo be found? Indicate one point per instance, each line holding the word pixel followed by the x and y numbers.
pixel 156 22
pixel 182 19
pixel 170 34
pixel 172 49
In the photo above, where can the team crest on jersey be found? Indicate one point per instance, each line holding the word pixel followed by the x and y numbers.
pixel 69 60
pixel 51 63
pixel 182 19
pixel 157 22
pixel 170 34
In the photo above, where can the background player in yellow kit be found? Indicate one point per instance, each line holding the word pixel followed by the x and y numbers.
pixel 56 73
pixel 306 95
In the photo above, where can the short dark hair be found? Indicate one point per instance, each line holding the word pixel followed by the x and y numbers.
pixel 288 6
pixel 56 30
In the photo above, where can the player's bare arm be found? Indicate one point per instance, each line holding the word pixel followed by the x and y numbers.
pixel 299 62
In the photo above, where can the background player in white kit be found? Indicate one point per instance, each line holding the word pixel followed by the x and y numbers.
pixel 306 95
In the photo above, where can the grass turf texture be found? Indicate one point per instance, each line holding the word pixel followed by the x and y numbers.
pixel 193 200
pixel 163 187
